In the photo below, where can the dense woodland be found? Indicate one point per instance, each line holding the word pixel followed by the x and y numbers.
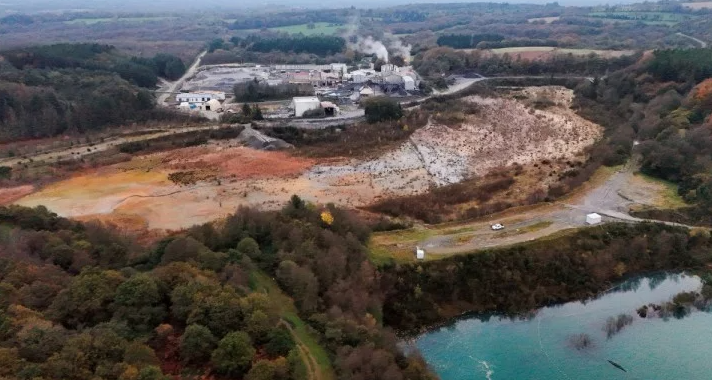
pixel 445 61
pixel 55 89
pixel 80 301
pixel 271 47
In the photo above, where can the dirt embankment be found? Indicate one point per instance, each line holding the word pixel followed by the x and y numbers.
pixel 187 186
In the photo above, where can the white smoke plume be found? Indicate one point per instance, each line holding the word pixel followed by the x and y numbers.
pixel 369 45
pixel 396 46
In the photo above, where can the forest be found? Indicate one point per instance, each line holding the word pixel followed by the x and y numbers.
pixel 54 89
pixel 275 47
pixel 81 301
pixel 445 61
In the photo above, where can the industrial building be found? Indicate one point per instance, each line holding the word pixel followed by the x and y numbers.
pixel 300 105
pixel 200 97
pixel 332 84
pixel 211 105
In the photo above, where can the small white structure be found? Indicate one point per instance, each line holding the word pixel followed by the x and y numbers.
pixel 199 97
pixel 408 83
pixel 366 92
pixel 213 105
pixel 330 109
pixel 304 104
pixel 419 253
pixel 593 218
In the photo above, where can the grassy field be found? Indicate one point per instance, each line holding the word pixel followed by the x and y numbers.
pixel 319 28
pixel 261 282
pixel 91 21
pixel 547 20
pixel 698 5
pixel 577 52
pixel 651 18
pixel 668 198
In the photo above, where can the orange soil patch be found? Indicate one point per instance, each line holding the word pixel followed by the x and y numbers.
pixel 136 195
pixel 237 162
pixel 130 224
pixel 11 194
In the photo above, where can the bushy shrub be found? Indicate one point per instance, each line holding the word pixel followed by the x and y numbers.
pixel 381 108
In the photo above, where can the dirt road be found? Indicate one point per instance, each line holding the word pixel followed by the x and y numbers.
pixel 174 87
pixel 607 195
pixel 79 151
pixel 703 44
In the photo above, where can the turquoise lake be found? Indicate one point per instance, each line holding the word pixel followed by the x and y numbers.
pixel 540 348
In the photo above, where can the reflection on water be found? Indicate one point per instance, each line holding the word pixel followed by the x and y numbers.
pixel 538 346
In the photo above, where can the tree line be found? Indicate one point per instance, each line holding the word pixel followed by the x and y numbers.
pixel 320 45
pixel 519 279
pixel 444 60
pixel 467 41
pixel 45 91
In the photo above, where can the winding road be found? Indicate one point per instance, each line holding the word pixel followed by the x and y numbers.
pixel 703 44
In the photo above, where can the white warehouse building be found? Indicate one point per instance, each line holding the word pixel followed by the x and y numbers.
pixel 199 97
pixel 304 104
pixel 409 83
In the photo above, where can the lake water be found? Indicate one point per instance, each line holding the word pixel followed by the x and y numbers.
pixel 540 348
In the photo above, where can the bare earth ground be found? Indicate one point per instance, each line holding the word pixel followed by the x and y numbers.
pixel 504 131
pixel 63 152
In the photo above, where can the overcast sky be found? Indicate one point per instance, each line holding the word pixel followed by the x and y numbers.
pixel 183 5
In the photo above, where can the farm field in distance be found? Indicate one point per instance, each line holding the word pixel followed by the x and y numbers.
pixel 91 21
pixel 546 20
pixel 545 52
pixel 652 18
pixel 700 5
pixel 319 28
